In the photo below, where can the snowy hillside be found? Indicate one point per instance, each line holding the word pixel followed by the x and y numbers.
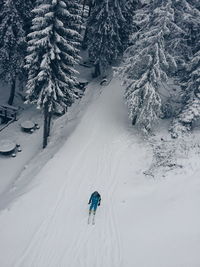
pixel 141 222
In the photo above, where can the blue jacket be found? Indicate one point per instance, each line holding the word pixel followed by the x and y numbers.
pixel 95 198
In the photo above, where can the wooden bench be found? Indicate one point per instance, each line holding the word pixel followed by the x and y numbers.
pixel 8 112
pixel 7 146
pixel 28 126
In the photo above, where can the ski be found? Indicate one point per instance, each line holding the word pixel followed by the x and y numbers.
pixel 93 220
pixel 89 218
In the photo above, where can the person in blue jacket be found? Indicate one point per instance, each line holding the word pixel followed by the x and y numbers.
pixel 95 200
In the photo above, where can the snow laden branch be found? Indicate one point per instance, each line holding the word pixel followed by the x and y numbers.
pixel 191 99
pixel 188 17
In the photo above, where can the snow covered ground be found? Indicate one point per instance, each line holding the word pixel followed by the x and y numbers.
pixel 31 144
pixel 143 221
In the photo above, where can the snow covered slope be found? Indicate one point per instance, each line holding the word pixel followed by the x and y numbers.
pixel 141 222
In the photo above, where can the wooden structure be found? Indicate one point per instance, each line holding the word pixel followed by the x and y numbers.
pixel 8 113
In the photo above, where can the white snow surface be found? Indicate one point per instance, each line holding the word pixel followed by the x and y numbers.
pixel 142 221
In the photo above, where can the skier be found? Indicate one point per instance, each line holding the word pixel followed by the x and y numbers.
pixel 95 200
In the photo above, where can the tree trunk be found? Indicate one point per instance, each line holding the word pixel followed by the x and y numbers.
pixel 49 123
pixel 12 92
pixel 97 70
pixel 45 131
pixel 134 120
pixel 85 39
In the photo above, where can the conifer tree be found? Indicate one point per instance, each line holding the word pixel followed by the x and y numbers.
pixel 149 61
pixel 195 3
pixel 127 26
pixel 12 44
pixel 52 52
pixel 188 17
pixel 191 99
pixel 24 8
pixel 104 42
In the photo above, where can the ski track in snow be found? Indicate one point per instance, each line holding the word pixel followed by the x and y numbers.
pixel 141 222
pixel 97 167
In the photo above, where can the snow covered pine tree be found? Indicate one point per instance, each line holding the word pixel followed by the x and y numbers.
pixel 127 27
pixel 188 17
pixel 12 44
pixel 191 107
pixel 104 42
pixel 149 61
pixel 52 52
pixel 25 7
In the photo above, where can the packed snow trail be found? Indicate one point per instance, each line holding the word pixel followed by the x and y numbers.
pixel 140 222
pixel 92 159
